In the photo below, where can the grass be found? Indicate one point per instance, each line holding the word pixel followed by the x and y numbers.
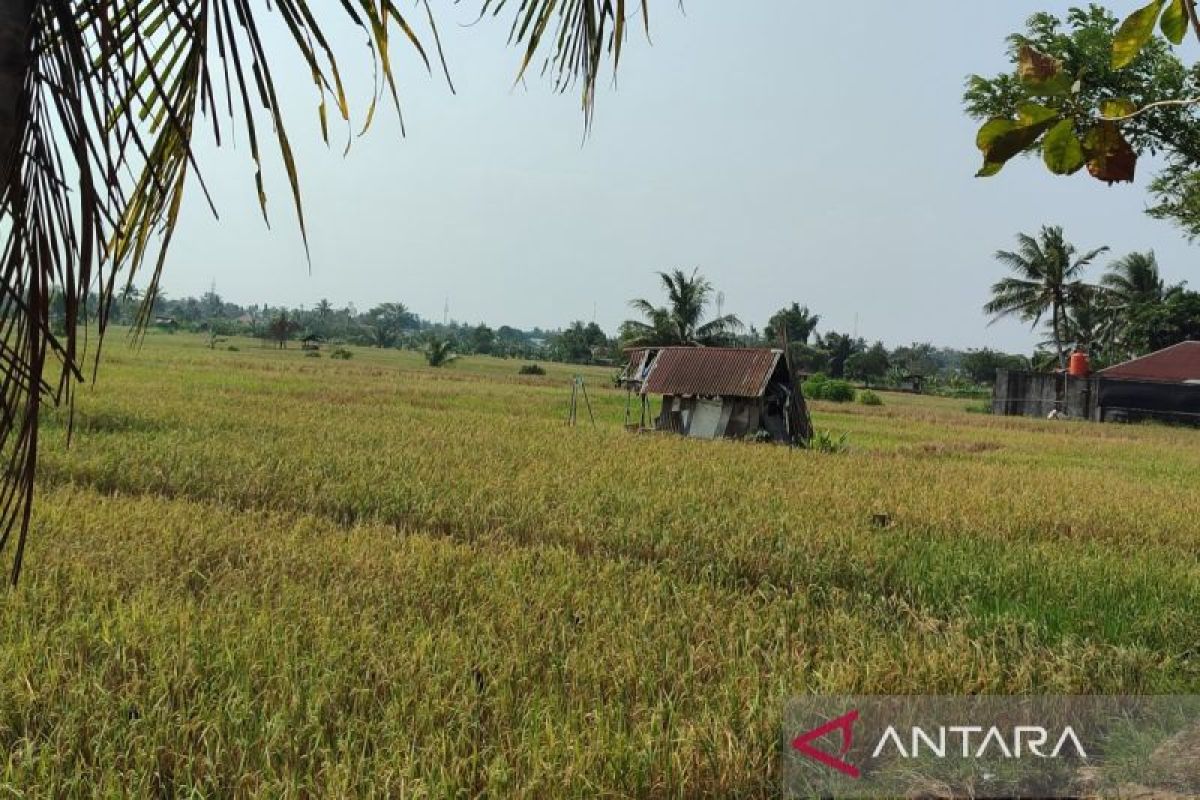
pixel 258 574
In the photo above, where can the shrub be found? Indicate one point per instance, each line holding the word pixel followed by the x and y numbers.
pixel 233 348
pixel 824 441
pixel 531 369
pixel 818 387
pixel 312 354
pixel 979 408
pixel 838 392
pixel 869 398
pixel 342 354
pixel 813 386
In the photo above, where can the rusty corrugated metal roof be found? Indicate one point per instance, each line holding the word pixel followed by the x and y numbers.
pixel 719 371
pixel 1174 364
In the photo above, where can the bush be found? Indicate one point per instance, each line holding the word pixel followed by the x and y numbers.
pixel 979 408
pixel 531 369
pixel 312 354
pixel 869 398
pixel 232 348
pixel 818 387
pixel 342 353
pixel 813 386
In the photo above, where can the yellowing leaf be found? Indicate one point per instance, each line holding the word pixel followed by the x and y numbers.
pixel 1117 107
pixel 1035 66
pixel 1000 139
pixel 1034 114
pixel 1174 22
pixel 1134 33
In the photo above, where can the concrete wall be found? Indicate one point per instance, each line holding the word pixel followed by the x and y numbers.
pixel 1030 394
pixel 1025 394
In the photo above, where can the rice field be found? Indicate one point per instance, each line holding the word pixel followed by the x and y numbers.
pixel 260 574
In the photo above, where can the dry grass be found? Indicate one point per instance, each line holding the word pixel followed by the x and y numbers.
pixel 257 574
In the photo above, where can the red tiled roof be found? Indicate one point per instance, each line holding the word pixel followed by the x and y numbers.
pixel 720 371
pixel 1174 364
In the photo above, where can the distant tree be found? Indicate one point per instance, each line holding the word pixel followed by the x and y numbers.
pixel 1133 285
pixel 680 322
pixel 810 359
pixel 211 305
pixel 394 318
pixel 1047 279
pixel 439 351
pixel 1134 280
pixel 282 328
pixel 323 317
pixel 1153 327
pixel 981 365
pixel 797 320
pixel 868 365
pixel 482 339
pixel 578 341
pixel 1091 323
pixel 840 347
pixel 379 336
pixel 918 358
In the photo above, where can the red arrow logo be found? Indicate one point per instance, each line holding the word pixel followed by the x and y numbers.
pixel 845 724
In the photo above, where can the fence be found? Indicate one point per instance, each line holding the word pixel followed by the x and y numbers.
pixel 1096 398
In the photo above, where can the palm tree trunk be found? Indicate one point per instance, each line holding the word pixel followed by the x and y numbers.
pixel 16 29
pixel 1057 325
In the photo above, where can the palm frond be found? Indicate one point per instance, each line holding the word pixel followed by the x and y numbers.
pixel 100 104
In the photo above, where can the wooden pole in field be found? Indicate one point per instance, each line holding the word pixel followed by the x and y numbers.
pixel 586 399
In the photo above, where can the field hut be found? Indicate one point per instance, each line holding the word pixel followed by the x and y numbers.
pixel 912 383
pixel 716 392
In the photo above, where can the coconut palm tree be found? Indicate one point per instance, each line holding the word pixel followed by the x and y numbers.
pixel 1134 281
pixel 1047 279
pixel 680 322
pixel 101 102
pixel 1089 323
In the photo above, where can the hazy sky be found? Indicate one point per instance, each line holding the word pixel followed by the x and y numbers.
pixel 793 151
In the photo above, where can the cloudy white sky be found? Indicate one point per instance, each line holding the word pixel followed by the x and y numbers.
pixel 793 151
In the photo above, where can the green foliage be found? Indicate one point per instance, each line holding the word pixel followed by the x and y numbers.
pixel 825 441
pixel 439 352
pixel 579 342
pixel 680 322
pixel 840 347
pixel 797 321
pixel 1157 325
pixel 869 398
pixel 981 365
pixel 531 369
pixel 1086 90
pixel 1047 278
pixel 820 387
pixel 809 358
pixel 341 354
pixel 868 365
pixel 837 391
